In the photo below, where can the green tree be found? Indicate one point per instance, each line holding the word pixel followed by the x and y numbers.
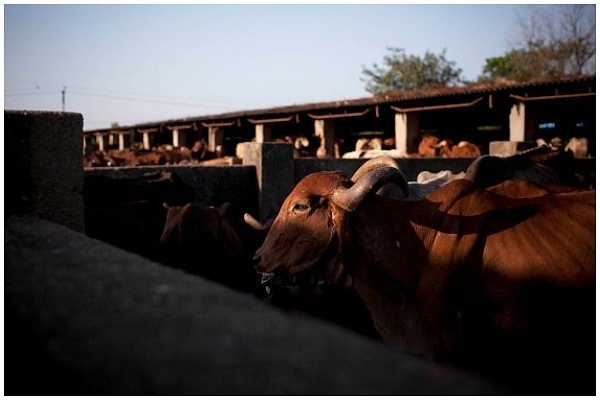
pixel 402 72
pixel 551 41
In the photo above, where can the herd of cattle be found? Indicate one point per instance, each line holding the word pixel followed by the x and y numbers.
pixel 491 270
pixel 430 146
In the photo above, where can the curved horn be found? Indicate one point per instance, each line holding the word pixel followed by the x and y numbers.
pixel 374 163
pixel 371 181
pixel 253 222
pixel 380 162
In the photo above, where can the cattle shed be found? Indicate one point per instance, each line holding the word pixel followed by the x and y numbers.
pixel 503 111
pixel 83 317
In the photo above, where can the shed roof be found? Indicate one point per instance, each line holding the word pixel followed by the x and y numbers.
pixel 521 88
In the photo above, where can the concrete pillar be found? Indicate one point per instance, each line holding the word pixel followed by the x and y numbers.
pixel 146 140
pixel 517 122
pixel 178 138
pixel 43 151
pixel 101 145
pixel 216 136
pixel 263 133
pixel 121 141
pixel 407 128
pixel 325 129
pixel 274 164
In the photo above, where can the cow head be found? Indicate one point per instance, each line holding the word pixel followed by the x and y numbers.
pixel 303 243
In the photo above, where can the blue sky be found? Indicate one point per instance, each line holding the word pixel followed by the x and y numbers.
pixel 143 63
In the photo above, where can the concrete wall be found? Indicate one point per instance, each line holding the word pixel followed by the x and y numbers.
pixel 43 158
pixel 212 185
pixel 269 173
pixel 86 318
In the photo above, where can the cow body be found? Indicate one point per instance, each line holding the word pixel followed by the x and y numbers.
pixel 211 242
pixel 466 275
pixel 128 212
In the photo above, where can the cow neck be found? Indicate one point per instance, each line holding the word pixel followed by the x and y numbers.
pixel 382 253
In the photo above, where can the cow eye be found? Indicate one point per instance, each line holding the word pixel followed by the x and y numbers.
pixel 299 207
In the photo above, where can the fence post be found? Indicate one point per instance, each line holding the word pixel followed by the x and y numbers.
pixel 274 164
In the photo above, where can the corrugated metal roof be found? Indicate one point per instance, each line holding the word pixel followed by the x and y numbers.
pixel 398 97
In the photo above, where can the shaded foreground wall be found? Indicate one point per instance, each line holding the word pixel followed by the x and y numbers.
pixel 86 318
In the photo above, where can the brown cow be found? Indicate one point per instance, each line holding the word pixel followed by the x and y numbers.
pixel 428 146
pixel 502 285
pixel 128 212
pixel 211 242
pixel 462 149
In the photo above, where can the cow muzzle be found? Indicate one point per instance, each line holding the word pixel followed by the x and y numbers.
pixel 272 281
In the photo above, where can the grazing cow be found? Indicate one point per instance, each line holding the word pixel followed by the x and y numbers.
pixel 501 285
pixel 462 149
pixel 211 242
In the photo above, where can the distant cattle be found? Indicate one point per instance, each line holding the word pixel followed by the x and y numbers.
pixel 98 159
pixel 372 154
pixel 127 212
pixel 211 242
pixel 200 151
pixel 462 149
pixel 579 147
pixel 504 286
pixel 428 146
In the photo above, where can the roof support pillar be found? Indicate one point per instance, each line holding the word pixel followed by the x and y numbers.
pixel 325 130
pixel 100 140
pixel 263 133
pixel 522 122
pixel 179 137
pixel 146 140
pixel 216 136
pixel 121 141
pixel 407 128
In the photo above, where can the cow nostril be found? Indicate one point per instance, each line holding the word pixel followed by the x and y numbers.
pixel 256 261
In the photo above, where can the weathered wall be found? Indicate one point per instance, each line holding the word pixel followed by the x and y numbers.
pixel 43 158
pixel 212 185
pixel 86 318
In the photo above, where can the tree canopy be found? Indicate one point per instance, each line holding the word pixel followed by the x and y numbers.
pixel 550 41
pixel 548 44
pixel 409 72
